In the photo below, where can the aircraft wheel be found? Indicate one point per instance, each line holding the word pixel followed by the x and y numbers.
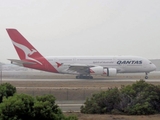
pixel 146 77
pixel 84 77
pixel 87 77
pixel 81 77
pixel 77 77
pixel 90 77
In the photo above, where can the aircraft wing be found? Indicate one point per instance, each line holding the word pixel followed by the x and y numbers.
pixel 20 62
pixel 80 68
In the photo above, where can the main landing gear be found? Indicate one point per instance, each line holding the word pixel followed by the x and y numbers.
pixel 146 77
pixel 83 77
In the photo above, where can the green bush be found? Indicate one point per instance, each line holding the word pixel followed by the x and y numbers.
pixel 138 98
pixel 6 90
pixel 26 107
pixel 103 102
pixel 45 108
pixel 17 107
pixel 144 98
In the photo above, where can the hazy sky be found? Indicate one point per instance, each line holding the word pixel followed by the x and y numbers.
pixel 83 27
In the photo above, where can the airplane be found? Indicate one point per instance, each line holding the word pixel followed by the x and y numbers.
pixel 81 66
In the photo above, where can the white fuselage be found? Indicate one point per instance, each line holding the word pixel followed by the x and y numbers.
pixel 123 64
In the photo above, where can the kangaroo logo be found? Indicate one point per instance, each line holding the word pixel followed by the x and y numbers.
pixel 27 52
pixel 59 64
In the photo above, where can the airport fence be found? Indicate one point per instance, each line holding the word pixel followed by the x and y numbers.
pixel 62 94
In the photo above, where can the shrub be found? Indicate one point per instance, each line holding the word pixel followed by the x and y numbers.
pixel 6 90
pixel 103 102
pixel 45 108
pixel 17 107
pixel 25 107
pixel 138 98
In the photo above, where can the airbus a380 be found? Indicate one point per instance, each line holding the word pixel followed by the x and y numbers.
pixel 82 67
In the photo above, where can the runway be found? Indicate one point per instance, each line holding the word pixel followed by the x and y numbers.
pixel 100 80
pixel 45 75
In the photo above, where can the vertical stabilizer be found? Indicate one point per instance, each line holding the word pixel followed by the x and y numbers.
pixel 27 52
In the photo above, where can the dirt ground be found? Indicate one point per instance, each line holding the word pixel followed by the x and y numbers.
pixel 74 84
pixel 114 117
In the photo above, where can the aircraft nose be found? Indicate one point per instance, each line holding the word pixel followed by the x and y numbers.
pixel 153 67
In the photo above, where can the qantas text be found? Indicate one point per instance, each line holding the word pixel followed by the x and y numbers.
pixel 129 62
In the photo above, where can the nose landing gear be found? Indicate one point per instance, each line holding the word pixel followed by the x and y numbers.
pixel 146 77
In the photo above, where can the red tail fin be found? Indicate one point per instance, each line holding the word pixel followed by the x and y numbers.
pixel 22 46
pixel 27 52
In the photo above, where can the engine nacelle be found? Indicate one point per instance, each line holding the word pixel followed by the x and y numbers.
pixel 98 70
pixel 111 72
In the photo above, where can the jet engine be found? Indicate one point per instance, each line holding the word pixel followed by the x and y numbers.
pixel 98 70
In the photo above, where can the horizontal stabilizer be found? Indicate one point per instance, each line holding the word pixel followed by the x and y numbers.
pixel 20 62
